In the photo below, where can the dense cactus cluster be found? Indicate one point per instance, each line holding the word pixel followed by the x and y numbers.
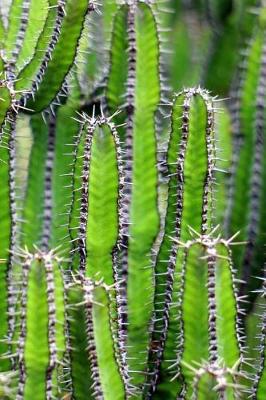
pixel 132 200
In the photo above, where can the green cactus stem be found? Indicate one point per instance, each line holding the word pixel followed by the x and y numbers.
pixel 246 207
pixel 42 334
pixel 100 362
pixel 259 379
pixel 191 163
pixel 8 237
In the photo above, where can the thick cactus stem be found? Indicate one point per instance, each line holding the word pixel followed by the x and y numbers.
pixel 190 163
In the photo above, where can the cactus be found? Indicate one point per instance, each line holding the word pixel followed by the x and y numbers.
pixel 249 147
pixel 132 232
pixel 41 341
pixel 100 361
pixel 259 383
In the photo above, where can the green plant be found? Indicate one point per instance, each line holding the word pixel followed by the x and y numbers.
pixel 132 218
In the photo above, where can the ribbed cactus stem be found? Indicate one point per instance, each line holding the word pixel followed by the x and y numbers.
pixel 48 54
pixel 127 191
pixel 8 235
pixel 217 334
pixel 41 341
pixel 213 345
pixel 259 379
pixel 88 288
pixel 11 63
pixel 245 206
pixel 100 360
pixel 97 210
pixel 256 183
pixel 48 195
pixel 191 158
pixel 67 32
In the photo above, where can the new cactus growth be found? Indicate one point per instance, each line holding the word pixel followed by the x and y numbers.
pixel 116 281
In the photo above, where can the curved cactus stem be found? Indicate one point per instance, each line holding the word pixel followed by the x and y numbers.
pixel 44 48
pixel 47 86
pixel 191 161
pixel 98 355
pixel 37 17
pixel 42 334
pixel 17 23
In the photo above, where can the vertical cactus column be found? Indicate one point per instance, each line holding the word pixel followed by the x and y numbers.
pixel 95 213
pixel 246 206
pixel 33 206
pixel 42 332
pixel 259 382
pixel 96 220
pixel 95 353
pixel 135 52
pixel 8 229
pixel 210 331
pixel 190 162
